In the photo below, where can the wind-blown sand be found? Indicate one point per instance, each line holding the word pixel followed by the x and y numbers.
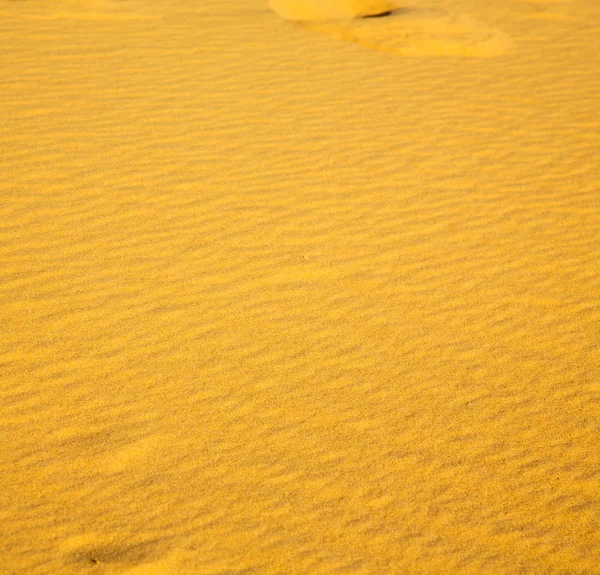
pixel 299 298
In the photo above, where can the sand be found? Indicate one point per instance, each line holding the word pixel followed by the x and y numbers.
pixel 299 298
pixel 297 10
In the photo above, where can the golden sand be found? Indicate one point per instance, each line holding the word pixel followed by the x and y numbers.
pixel 284 299
pixel 327 9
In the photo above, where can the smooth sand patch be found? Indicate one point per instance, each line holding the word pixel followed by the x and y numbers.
pixel 420 33
pixel 406 31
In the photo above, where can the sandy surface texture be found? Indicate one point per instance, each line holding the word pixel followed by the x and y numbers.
pixel 282 298
pixel 327 9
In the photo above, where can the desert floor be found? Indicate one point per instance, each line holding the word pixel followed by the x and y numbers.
pixel 315 298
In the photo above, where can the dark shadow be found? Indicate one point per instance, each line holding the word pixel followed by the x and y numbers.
pixel 393 12
pixel 382 15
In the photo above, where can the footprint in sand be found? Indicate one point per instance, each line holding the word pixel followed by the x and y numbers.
pixel 379 25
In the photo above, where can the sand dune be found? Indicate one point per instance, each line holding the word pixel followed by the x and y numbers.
pixel 299 298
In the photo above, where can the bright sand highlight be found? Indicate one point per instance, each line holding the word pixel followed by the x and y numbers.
pixel 282 298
